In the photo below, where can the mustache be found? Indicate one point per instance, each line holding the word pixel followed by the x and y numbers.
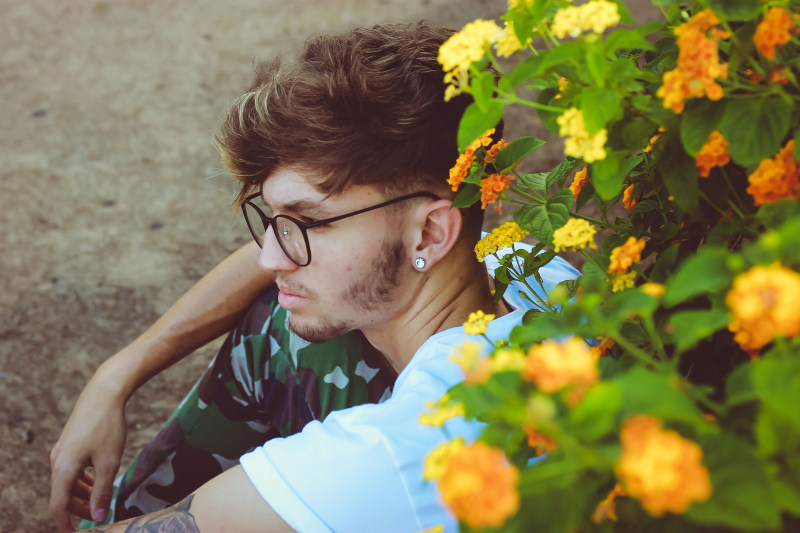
pixel 293 288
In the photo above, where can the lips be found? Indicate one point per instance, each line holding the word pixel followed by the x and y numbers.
pixel 288 299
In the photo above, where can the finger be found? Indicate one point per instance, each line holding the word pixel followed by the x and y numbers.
pixel 103 489
pixel 63 479
pixel 82 489
pixel 80 508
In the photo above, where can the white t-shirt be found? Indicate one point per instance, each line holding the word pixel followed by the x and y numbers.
pixel 360 469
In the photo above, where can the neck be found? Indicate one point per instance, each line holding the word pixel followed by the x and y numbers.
pixel 438 301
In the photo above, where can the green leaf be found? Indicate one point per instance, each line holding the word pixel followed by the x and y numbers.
pixel 693 326
pixel 626 39
pixel 592 278
pixel 535 182
pixel 570 287
pixel 739 387
pixel 777 383
pixel 741 496
pixel 467 195
pixel 595 416
pixel 542 220
pixel 512 154
pixel 775 214
pixel 567 52
pixel 482 86
pixel 699 120
pixel 736 10
pixel 559 175
pixel 599 106
pixel 645 392
pixel 680 176
pixel 609 175
pixel 636 133
pixel 535 262
pixel 475 122
pixel 664 264
pixel 626 304
pixel 523 72
pixel 597 64
pixel 755 128
pixel 705 272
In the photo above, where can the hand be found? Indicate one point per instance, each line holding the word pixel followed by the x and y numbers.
pixel 94 437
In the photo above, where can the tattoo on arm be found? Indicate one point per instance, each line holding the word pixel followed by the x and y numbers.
pixel 175 518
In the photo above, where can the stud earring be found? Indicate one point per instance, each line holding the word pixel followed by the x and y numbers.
pixel 419 263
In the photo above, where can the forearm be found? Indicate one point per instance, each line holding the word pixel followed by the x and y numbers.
pixel 209 309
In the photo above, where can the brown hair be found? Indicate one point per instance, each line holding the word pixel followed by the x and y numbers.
pixel 364 107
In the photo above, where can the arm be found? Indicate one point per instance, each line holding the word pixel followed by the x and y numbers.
pixel 229 502
pixel 95 431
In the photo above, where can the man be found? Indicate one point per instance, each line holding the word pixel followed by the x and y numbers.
pixel 348 150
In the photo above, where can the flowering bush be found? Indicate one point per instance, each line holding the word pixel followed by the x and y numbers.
pixel 661 390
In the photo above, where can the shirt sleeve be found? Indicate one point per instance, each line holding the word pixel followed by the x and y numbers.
pixel 361 469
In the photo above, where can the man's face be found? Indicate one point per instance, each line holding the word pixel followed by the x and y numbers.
pixel 357 263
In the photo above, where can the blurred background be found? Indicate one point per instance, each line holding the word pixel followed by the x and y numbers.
pixel 113 201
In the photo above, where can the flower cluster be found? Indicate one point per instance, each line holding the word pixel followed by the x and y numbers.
pixel 508 42
pixel 499 238
pixel 578 142
pixel 436 461
pixel 462 49
pixel 464 163
pixel 596 16
pixel 698 62
pixel 441 411
pixel 540 442
pixel 479 485
pixel 576 234
pixel 775 179
pixel 491 188
pixel 477 322
pixel 714 153
pixel 554 365
pixel 578 182
pixel 774 30
pixel 622 257
pixel 660 468
pixel 763 302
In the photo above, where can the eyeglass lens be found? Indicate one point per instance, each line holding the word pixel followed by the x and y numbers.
pixel 290 235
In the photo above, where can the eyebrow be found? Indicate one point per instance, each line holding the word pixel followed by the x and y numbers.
pixel 307 207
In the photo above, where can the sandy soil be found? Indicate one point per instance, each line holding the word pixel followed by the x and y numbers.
pixel 112 198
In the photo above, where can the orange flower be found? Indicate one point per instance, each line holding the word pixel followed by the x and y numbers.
pixel 775 30
pixel 713 154
pixel 660 468
pixel 554 365
pixel 541 443
pixel 464 162
pixel 606 509
pixel 578 182
pixel 627 202
pixel 698 62
pixel 622 257
pixel 492 186
pixel 763 302
pixel 606 343
pixel 492 152
pixel 479 486
pixel 775 179
pixel 654 138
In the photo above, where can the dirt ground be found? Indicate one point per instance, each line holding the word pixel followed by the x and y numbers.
pixel 112 198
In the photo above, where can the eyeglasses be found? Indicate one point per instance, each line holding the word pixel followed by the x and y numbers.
pixel 292 234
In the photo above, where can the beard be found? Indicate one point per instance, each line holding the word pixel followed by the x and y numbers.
pixel 375 289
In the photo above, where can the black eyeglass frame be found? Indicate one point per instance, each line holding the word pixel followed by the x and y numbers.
pixel 304 226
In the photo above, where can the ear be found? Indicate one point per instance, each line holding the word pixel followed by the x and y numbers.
pixel 437 231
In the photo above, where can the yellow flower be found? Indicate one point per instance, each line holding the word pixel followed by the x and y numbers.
pixel 578 182
pixel 714 153
pixel 578 142
pixel 464 48
pixel 576 234
pixel 622 257
pixel 499 238
pixel 506 359
pixel 480 486
pixel 660 468
pixel 596 16
pixel 775 179
pixel 656 290
pixel 434 529
pixel 508 43
pixel 476 366
pixel 436 462
pixel 764 303
pixel 441 412
pixel 477 322
pixel 622 281
pixel 554 365
pixel 653 139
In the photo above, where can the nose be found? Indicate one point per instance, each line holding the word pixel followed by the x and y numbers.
pixel 273 258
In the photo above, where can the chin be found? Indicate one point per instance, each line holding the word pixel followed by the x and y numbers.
pixel 318 333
